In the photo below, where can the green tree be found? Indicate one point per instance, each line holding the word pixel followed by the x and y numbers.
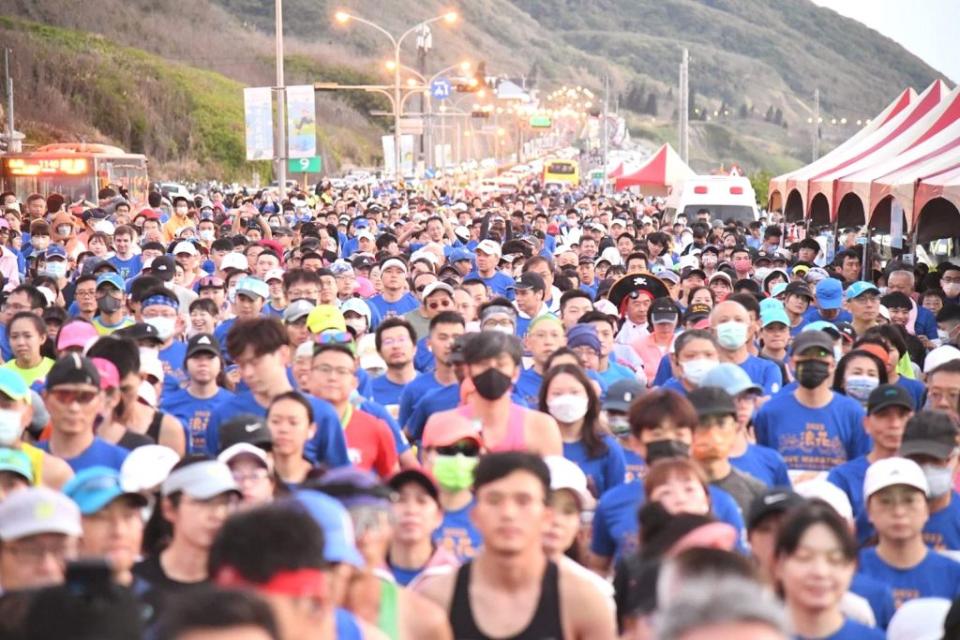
pixel 651 106
pixel 760 181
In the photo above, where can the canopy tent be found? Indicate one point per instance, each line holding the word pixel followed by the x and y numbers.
pixel 658 175
pixel 924 120
pixel 937 205
pixel 616 172
pixel 782 188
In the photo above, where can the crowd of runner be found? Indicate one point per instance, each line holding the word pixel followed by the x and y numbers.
pixel 421 413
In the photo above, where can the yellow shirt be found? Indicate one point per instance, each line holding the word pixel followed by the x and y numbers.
pixel 34 373
pixel 36 461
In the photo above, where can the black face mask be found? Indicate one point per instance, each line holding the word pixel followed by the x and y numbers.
pixel 812 373
pixel 492 384
pixel 659 449
pixel 108 304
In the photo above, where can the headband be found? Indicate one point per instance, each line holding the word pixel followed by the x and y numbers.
pixel 497 309
pixel 160 300
pixel 290 582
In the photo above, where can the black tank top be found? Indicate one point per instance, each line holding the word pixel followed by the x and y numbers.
pixel 153 431
pixel 545 625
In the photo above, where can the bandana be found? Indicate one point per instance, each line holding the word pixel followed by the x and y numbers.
pixel 160 300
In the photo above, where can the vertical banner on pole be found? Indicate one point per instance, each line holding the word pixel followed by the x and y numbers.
pixel 258 121
pixel 301 122
pixel 388 155
pixel 406 155
pixel 896 224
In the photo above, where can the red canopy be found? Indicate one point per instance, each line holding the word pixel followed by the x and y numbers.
pixel 658 174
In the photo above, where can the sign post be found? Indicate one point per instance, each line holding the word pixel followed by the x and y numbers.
pixel 304 166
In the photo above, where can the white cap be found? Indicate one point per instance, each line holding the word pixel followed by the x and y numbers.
pixel 429 256
pixel 611 255
pixel 37 510
pixel 151 364
pixel 367 235
pixel 241 448
pixel 919 619
pixel 393 262
pixel 372 361
pixel 273 274
pixel 489 247
pixel 201 480
pixel 940 356
pixel 893 471
pixel 234 260
pixel 304 350
pixel 358 306
pixel 187 247
pixel 565 474
pixel 146 467
pixel 435 286
pixel 605 306
pixel 147 393
pixel 104 226
pixel 830 493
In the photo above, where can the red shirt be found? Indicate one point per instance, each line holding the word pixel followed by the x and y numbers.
pixel 370 444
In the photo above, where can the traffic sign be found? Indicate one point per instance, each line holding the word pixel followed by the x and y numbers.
pixel 305 165
pixel 440 89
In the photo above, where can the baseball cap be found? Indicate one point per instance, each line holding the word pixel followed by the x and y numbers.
pixel 95 487
pixel 244 427
pixel 621 394
pixel 799 289
pixel 73 369
pixel 722 275
pixel 667 275
pixel 773 501
pixel 55 251
pixel 341 267
pixel 530 280
pixel 822 489
pixel 696 312
pixel 202 343
pixel 888 472
pixel 712 401
pixel 823 325
pixel 185 246
pixel 773 315
pixel 354 487
pixel 435 286
pixel 139 331
pixel 243 448
pixel 201 480
pixel 447 430
pixel 13 385
pixel 489 247
pixel 940 356
pixel 274 274
pixel 846 331
pixel 663 311
pixel 361 308
pixel 778 289
pixel 146 467
pixel 253 287
pixel 920 619
pixel 806 340
pixel 16 461
pixel 731 378
pixel 297 310
pixel 565 474
pixel 76 334
pixel 417 477
pixel 163 267
pixel 583 335
pixel 888 395
pixel 367 235
pixel 338 537
pixel 109 375
pixel 37 510
pixel 929 433
pixel 460 255
pixel 112 279
pixel 859 288
pixel 829 293
pixel 234 260
pixel 324 317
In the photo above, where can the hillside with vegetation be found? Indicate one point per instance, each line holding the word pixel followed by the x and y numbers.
pixel 165 76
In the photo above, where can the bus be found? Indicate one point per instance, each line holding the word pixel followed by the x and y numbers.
pixel 561 172
pixel 77 170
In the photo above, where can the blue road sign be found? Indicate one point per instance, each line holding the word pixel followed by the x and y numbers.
pixel 440 89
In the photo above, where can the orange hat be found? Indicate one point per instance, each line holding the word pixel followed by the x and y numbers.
pixel 875 350
pixel 447 428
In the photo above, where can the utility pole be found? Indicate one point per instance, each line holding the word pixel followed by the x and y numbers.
pixel 13 145
pixel 816 124
pixel 684 107
pixel 606 132
pixel 424 44
pixel 280 151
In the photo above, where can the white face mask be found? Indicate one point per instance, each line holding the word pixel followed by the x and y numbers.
pixel 206 235
pixel 56 269
pixel 950 289
pixel 357 324
pixel 939 478
pixel 568 408
pixel 696 370
pixel 9 427
pixel 731 335
pixel 164 326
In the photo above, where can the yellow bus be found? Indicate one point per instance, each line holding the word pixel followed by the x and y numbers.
pixel 76 170
pixel 561 172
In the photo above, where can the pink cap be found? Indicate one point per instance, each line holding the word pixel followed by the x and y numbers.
pixel 109 376
pixel 76 334
pixel 365 288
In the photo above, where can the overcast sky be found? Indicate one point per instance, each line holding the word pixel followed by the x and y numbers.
pixel 928 28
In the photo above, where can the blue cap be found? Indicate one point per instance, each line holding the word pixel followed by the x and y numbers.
pixel 13 385
pixel 731 378
pixel 94 488
pixel 778 289
pixel 830 293
pixel 16 461
pixel 55 251
pixel 774 315
pixel 360 223
pixel 861 287
pixel 112 279
pixel 460 254
pixel 581 335
pixel 823 325
pixel 338 540
pixel 769 303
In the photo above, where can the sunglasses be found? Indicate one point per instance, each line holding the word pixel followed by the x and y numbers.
pixel 334 337
pixel 469 449
pixel 211 282
pixel 68 396
pixel 440 304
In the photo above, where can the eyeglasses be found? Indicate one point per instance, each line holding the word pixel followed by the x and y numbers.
pixel 251 476
pixel 69 396
pixel 439 304
pixel 907 498
pixel 327 370
pixel 389 342
pixel 469 449
pixel 35 553
pixel 85 294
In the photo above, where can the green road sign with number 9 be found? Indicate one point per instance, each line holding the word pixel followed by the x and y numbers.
pixel 305 165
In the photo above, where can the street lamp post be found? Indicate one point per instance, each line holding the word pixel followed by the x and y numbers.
pixel 344 17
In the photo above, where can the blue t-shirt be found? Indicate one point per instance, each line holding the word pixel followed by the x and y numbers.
pixel 194 414
pixel 603 472
pixel 764 464
pixel 615 525
pixel 5 349
pixel 813 315
pixel 408 302
pixel 877 594
pixel 499 283
pixel 174 374
pixel 385 391
pixel 616 371
pixel 220 333
pixel 926 323
pixel 99 453
pixel 672 384
pixel 635 464
pixel 664 372
pixel 764 373
pixel 440 399
pixel 346 625
pixel 942 531
pixel 413 393
pixel 915 388
pixel 457 534
pixel 328 446
pixel 528 386
pixel 129 268
pixel 851 631
pixel 423 360
pixel 812 439
pixel 935 576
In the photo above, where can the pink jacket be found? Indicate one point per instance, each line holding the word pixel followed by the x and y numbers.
pixel 651 355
